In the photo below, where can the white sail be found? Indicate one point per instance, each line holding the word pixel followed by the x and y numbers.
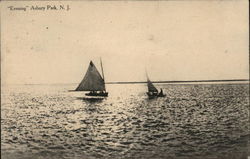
pixel 92 80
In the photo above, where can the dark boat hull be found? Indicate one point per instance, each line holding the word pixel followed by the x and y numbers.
pixel 100 94
pixel 155 95
pixel 161 95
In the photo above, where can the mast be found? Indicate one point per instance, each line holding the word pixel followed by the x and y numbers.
pixel 102 74
pixel 146 74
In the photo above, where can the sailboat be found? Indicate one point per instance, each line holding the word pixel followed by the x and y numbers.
pixel 93 82
pixel 152 90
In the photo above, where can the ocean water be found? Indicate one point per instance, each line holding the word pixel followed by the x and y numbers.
pixel 208 121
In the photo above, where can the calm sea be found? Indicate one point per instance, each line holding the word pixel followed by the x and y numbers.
pixel 208 121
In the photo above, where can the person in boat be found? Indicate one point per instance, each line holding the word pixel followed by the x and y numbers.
pixel 161 92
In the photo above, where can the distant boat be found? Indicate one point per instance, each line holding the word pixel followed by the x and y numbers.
pixel 93 82
pixel 152 91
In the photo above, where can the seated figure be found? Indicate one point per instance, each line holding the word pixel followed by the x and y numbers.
pixel 161 92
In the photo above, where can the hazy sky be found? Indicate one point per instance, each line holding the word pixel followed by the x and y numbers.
pixel 173 40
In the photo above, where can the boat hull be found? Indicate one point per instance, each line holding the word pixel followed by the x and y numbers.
pixel 100 94
pixel 161 95
pixel 155 95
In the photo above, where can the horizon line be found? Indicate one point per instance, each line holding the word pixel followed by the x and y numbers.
pixel 186 81
pixel 138 82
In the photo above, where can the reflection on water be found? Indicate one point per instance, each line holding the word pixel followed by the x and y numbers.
pixel 91 100
pixel 193 121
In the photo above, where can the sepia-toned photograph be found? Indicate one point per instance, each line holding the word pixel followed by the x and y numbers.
pixel 125 79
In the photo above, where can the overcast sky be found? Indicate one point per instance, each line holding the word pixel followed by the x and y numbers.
pixel 173 40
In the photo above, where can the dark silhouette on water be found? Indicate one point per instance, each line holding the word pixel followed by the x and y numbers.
pixel 152 91
pixel 161 93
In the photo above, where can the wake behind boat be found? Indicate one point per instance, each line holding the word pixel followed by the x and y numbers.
pixel 93 82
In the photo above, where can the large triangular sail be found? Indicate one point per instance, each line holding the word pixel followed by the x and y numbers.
pixel 92 80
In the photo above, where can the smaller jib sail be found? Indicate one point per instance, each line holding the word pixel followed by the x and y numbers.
pixel 92 80
pixel 151 87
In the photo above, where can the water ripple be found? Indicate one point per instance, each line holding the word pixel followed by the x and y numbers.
pixel 193 121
